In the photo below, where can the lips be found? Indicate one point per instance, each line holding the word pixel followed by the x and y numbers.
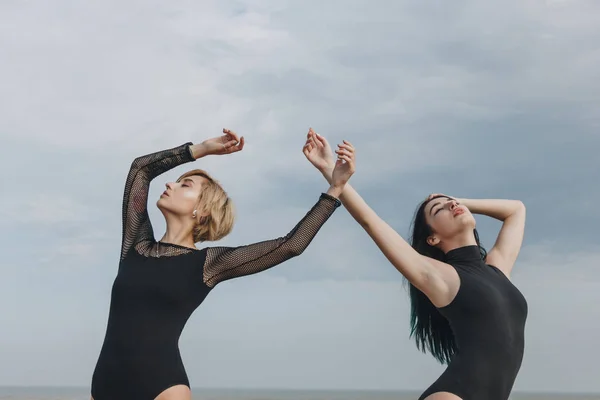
pixel 165 193
pixel 458 211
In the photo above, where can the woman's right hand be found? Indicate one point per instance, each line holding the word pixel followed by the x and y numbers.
pixel 344 167
pixel 227 143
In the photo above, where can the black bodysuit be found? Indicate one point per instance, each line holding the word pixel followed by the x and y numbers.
pixel 487 317
pixel 159 285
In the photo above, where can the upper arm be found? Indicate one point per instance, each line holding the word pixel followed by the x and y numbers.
pixel 434 278
pixel 437 280
pixel 223 263
pixel 135 218
pixel 506 249
pixel 136 221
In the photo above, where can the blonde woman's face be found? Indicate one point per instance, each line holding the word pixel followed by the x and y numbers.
pixel 181 197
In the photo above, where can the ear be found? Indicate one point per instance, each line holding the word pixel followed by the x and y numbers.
pixel 433 240
pixel 200 214
pixel 202 218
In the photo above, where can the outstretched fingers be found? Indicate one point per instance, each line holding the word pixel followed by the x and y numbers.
pixel 345 153
pixel 320 140
pixel 346 145
pixel 308 146
pixel 346 158
pixel 345 149
pixel 241 144
pixel 233 146
pixel 231 135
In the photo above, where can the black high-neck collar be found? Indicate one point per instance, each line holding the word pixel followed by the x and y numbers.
pixel 463 254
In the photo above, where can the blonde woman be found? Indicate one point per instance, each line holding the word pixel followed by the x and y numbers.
pixel 160 283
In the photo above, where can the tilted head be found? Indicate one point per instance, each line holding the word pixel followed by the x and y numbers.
pixel 197 196
pixel 439 223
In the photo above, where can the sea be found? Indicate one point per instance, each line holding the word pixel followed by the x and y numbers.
pixel 70 393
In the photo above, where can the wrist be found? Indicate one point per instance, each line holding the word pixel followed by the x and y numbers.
pixel 335 190
pixel 327 173
pixel 198 150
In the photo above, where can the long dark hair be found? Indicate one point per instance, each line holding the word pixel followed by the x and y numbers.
pixel 430 329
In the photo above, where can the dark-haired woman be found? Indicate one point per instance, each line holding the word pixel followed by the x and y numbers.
pixel 465 310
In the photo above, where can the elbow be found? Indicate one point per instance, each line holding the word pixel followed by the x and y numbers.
pixel 137 163
pixel 516 210
pixel 295 251
pixel 520 207
pixel 294 248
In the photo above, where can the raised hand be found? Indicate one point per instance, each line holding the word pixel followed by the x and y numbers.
pixel 227 143
pixel 432 195
pixel 318 152
pixel 345 164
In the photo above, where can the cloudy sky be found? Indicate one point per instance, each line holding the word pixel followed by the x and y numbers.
pixel 474 99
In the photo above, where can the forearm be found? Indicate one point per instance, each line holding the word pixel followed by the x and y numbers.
pixel 494 208
pixel 335 191
pixel 224 263
pixel 154 164
pixel 136 224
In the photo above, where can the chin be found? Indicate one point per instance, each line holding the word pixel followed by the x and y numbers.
pixel 162 204
pixel 467 221
pixel 471 223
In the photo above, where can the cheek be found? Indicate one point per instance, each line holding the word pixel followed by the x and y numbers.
pixel 442 223
pixel 189 199
pixel 181 202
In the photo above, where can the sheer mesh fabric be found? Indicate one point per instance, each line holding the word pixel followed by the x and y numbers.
pixel 159 249
pixel 224 263
pixel 146 297
pixel 137 229
pixel 221 263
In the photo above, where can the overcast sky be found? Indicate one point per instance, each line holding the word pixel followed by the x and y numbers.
pixel 475 99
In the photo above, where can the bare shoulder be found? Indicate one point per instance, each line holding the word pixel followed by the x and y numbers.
pixel 442 284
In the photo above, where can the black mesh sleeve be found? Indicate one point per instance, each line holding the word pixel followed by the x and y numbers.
pixel 136 222
pixel 223 263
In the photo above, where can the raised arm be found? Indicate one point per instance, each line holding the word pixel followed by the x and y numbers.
pixel 136 222
pixel 512 213
pixel 223 263
pixel 421 271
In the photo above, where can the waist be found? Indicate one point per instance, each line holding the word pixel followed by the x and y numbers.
pixel 124 354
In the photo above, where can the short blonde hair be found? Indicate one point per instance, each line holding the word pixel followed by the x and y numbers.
pixel 216 213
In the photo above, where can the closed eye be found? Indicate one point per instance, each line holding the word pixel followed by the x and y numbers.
pixel 439 208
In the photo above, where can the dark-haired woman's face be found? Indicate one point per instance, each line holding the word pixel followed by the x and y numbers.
pixel 448 218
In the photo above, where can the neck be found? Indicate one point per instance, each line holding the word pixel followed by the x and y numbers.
pixel 462 240
pixel 178 232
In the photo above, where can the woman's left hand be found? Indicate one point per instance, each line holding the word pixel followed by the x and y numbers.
pixel 344 166
pixel 227 143
pixel 432 195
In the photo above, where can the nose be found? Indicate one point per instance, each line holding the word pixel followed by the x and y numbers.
pixel 453 204
pixel 169 185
